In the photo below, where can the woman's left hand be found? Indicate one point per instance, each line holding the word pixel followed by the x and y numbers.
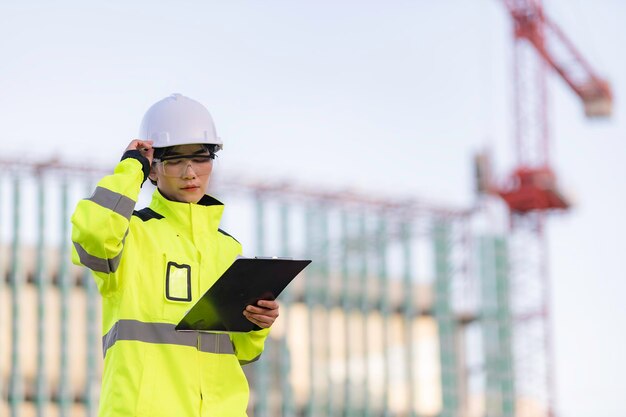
pixel 263 314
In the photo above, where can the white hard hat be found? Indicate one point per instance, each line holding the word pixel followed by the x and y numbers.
pixel 178 120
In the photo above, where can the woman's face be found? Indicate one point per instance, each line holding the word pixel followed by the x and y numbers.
pixel 183 179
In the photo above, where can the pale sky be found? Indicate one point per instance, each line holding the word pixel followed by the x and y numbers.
pixel 390 98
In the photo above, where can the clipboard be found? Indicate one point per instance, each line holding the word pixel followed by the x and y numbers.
pixel 245 282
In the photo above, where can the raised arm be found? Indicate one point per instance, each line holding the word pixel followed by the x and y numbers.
pixel 100 223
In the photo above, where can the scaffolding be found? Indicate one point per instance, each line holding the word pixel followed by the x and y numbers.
pixel 382 323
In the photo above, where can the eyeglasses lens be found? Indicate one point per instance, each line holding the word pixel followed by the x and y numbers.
pixel 175 167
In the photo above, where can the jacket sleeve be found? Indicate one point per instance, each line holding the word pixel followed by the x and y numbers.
pixel 100 223
pixel 249 346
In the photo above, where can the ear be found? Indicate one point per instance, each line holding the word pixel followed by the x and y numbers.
pixel 153 173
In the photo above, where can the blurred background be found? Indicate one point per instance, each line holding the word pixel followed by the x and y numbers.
pixel 461 194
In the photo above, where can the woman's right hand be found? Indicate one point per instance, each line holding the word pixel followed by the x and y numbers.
pixel 143 146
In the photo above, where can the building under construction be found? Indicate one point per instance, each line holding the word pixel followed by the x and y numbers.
pixel 403 312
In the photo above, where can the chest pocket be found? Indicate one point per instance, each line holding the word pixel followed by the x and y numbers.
pixel 179 288
pixel 177 282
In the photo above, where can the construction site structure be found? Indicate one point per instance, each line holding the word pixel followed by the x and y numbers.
pixel 388 320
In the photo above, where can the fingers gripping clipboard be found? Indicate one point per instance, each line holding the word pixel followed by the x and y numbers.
pixel 245 282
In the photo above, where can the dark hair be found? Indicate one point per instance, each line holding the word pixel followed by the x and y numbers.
pixel 161 152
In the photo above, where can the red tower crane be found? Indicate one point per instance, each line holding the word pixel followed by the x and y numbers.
pixel 531 192
pixel 539 43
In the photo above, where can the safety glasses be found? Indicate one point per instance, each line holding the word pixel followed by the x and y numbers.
pixel 177 165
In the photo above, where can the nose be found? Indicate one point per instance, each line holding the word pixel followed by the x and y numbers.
pixel 189 173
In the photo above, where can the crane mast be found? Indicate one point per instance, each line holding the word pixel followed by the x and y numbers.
pixel 531 192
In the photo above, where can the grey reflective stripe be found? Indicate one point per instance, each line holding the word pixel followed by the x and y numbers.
pixel 242 362
pixel 215 343
pixel 165 333
pixel 97 264
pixel 116 202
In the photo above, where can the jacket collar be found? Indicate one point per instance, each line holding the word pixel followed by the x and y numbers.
pixel 195 220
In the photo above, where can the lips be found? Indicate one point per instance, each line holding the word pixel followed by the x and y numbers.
pixel 190 187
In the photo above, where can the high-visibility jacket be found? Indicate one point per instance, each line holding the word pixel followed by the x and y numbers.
pixel 150 267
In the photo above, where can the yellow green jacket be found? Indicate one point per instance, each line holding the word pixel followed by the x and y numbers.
pixel 150 267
